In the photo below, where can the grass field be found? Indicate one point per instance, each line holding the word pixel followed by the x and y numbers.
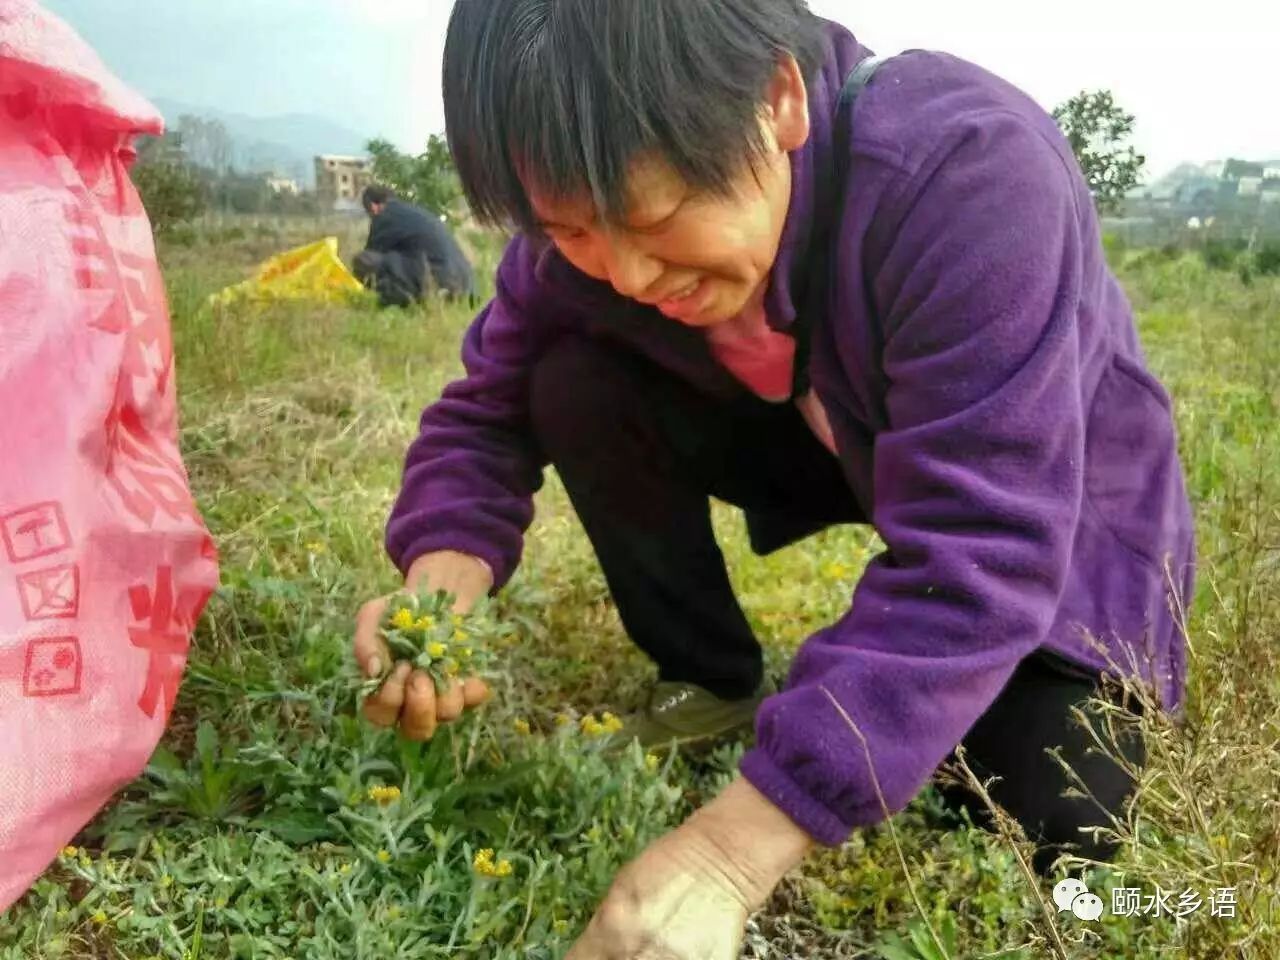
pixel 254 834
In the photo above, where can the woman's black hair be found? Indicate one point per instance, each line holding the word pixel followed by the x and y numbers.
pixel 566 94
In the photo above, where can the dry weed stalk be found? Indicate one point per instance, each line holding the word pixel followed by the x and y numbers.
pixel 888 816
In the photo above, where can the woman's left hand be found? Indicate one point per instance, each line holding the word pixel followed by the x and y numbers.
pixel 688 895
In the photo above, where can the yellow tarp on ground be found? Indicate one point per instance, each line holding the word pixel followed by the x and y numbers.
pixel 312 272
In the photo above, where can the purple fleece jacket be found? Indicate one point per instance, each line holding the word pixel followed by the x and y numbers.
pixel 991 407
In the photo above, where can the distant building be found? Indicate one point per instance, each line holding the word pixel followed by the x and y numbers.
pixel 1247 179
pixel 1242 169
pixel 284 185
pixel 341 180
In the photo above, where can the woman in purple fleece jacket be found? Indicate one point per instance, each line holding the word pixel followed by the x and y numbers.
pixel 756 265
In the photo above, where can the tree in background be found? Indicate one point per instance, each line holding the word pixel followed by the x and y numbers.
pixel 207 143
pixel 190 170
pixel 429 179
pixel 1098 130
pixel 172 191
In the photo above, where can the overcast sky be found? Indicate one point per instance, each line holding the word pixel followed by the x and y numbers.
pixel 1202 78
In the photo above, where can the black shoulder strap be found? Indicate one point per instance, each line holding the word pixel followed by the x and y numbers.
pixel 854 84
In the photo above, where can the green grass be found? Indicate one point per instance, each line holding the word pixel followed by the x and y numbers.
pixel 253 836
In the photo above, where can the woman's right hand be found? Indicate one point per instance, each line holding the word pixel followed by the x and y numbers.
pixel 408 698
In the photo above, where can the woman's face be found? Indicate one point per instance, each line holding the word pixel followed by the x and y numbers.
pixel 695 256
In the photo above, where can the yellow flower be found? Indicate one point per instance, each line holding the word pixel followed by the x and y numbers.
pixel 460 636
pixel 456 620
pixel 521 725
pixel 437 649
pixel 166 881
pixel 450 668
pixel 70 852
pixel 100 918
pixel 344 869
pixel 467 653
pixel 425 622
pixel 561 926
pixel 562 719
pixel 384 795
pixel 316 547
pixel 403 619
pixel 384 856
pixel 483 864
pixel 651 762
pixel 607 724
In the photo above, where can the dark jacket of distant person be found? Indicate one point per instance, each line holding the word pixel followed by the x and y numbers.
pixel 412 252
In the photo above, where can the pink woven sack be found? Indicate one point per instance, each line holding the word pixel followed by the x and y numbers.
pixel 105 564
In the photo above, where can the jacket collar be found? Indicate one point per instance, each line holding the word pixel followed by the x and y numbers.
pixel 814 192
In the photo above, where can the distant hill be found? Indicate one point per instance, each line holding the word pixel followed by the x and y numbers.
pixel 284 144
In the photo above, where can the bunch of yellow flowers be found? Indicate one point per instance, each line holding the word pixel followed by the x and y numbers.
pixel 484 865
pixel 423 630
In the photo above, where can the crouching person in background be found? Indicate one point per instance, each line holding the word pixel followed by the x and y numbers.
pixel 409 253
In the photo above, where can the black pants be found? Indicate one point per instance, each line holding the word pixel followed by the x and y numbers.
pixel 641 452
pixel 400 280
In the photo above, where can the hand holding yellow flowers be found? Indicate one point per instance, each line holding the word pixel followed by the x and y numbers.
pixel 423 652
pixel 417 628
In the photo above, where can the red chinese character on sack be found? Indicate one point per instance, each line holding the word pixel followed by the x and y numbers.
pixel 145 474
pixel 35 531
pixel 149 343
pixel 53 668
pixel 52 594
pixel 93 255
pixel 124 295
pixel 164 635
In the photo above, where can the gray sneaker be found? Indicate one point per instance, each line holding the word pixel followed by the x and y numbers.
pixel 684 714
